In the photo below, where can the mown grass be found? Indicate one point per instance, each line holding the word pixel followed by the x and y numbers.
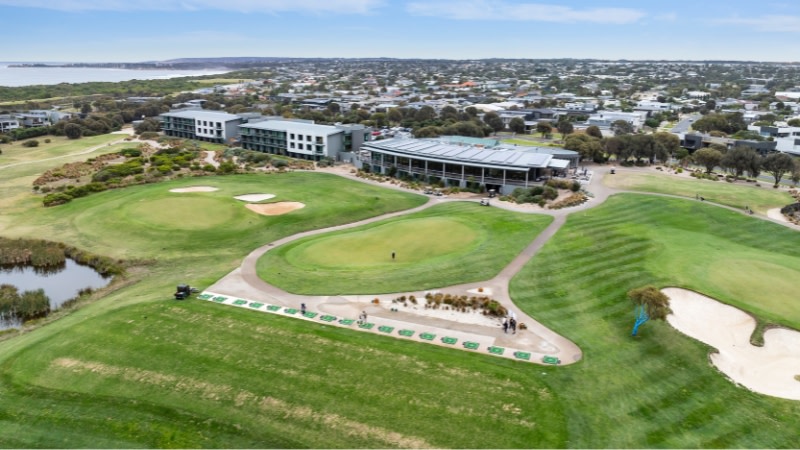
pixel 658 390
pixel 759 199
pixel 358 261
pixel 137 369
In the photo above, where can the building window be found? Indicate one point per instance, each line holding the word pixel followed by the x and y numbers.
pixel 308 146
pixel 308 138
pixel 291 145
pixel 291 136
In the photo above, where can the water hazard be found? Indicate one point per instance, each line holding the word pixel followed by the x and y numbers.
pixel 60 283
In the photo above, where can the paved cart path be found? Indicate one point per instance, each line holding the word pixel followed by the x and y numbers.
pixel 536 340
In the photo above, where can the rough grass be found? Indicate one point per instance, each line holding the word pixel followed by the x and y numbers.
pixel 447 244
pixel 19 167
pixel 739 195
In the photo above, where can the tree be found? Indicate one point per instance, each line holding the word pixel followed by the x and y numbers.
pixel 589 147
pixel 794 123
pixel 740 159
pixel 334 108
pixel 517 125
pixel 86 108
pixel 394 115
pixel 649 303
pixel 620 127
pixel 796 172
pixel 493 120
pixel 708 157
pixel 424 114
pixel 73 131
pixel 670 142
pixel 777 164
pixel 448 113
pixel 594 132
pixel 149 124
pixel 565 127
pixel 544 127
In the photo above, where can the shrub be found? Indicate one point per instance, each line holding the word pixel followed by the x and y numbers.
pixel 575 186
pixel 148 135
pixel 47 141
pixel 549 193
pixel 56 199
pixel 31 143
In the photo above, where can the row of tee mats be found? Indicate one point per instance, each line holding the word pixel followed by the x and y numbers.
pixel 425 336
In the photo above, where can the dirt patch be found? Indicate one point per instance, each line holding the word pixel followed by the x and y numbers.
pixel 254 197
pixel 768 370
pixel 275 209
pixel 195 189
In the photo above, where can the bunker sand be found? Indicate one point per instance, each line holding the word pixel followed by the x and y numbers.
pixel 768 370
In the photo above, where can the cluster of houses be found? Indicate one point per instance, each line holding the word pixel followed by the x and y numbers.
pixel 32 118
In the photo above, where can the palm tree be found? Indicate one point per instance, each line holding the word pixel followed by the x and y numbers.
pixel 650 303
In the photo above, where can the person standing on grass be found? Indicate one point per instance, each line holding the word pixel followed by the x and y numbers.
pixel 393 255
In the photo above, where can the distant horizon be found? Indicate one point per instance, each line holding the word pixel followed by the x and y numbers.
pixel 564 58
pixel 94 31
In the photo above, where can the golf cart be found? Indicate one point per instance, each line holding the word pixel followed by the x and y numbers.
pixel 182 291
pixel 613 170
pixel 485 201
pixel 428 190
pixel 492 193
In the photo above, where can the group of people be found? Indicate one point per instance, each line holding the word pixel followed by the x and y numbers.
pixel 510 323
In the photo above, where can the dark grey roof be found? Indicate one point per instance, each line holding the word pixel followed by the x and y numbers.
pixel 434 150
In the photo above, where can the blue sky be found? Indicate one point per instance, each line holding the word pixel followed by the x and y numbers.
pixel 143 30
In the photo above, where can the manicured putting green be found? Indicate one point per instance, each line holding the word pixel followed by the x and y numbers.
pixel 412 240
pixel 183 212
pixel 446 244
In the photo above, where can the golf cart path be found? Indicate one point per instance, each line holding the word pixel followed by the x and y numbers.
pixel 536 339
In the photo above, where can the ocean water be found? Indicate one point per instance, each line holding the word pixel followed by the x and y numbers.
pixel 26 76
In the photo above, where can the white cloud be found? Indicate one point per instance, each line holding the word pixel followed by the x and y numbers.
pixel 534 12
pixel 245 6
pixel 776 23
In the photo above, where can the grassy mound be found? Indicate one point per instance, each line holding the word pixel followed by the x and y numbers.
pixel 444 245
pixel 759 199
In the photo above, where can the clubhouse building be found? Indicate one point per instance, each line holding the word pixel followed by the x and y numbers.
pixel 461 162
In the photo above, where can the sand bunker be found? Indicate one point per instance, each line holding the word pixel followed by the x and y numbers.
pixel 195 189
pixel 275 209
pixel 254 197
pixel 769 370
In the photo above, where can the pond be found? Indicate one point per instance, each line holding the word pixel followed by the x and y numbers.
pixel 60 284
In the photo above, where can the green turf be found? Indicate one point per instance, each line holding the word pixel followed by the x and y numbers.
pixel 138 369
pixel 412 240
pixel 659 388
pixel 447 244
pixel 738 195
